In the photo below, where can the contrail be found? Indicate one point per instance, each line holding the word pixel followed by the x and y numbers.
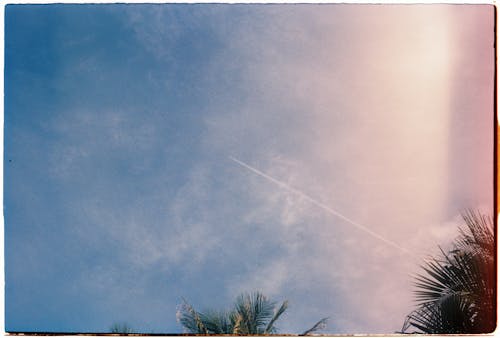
pixel 319 204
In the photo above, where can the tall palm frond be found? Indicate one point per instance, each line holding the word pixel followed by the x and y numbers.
pixel 255 310
pixel 456 293
pixel 478 235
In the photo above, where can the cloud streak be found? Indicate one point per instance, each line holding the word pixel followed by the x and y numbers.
pixel 322 206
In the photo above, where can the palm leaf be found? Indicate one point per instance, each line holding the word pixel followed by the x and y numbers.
pixel 270 327
pixel 320 325
pixel 456 293
pixel 255 311
pixel 252 314
pixel 215 322
pixel 190 319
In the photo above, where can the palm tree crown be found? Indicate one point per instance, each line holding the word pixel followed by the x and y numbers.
pixel 456 292
pixel 252 314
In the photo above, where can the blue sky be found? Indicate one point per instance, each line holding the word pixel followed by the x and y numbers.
pixel 121 198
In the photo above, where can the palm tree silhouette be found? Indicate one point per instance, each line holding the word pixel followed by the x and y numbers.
pixel 121 328
pixel 252 314
pixel 456 292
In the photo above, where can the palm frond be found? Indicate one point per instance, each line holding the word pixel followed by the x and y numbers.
pixel 190 319
pixel 270 327
pixel 237 328
pixel 255 311
pixel 320 325
pixel 251 314
pixel 121 328
pixel 452 315
pixel 456 293
pixel 216 322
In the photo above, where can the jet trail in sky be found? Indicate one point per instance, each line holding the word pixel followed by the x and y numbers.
pixel 319 204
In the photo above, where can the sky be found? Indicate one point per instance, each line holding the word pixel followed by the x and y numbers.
pixel 315 153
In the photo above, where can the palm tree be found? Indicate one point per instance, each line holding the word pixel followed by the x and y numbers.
pixel 121 328
pixel 456 292
pixel 252 314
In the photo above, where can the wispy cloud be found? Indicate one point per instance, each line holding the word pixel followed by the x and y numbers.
pixel 320 205
pixel 346 114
